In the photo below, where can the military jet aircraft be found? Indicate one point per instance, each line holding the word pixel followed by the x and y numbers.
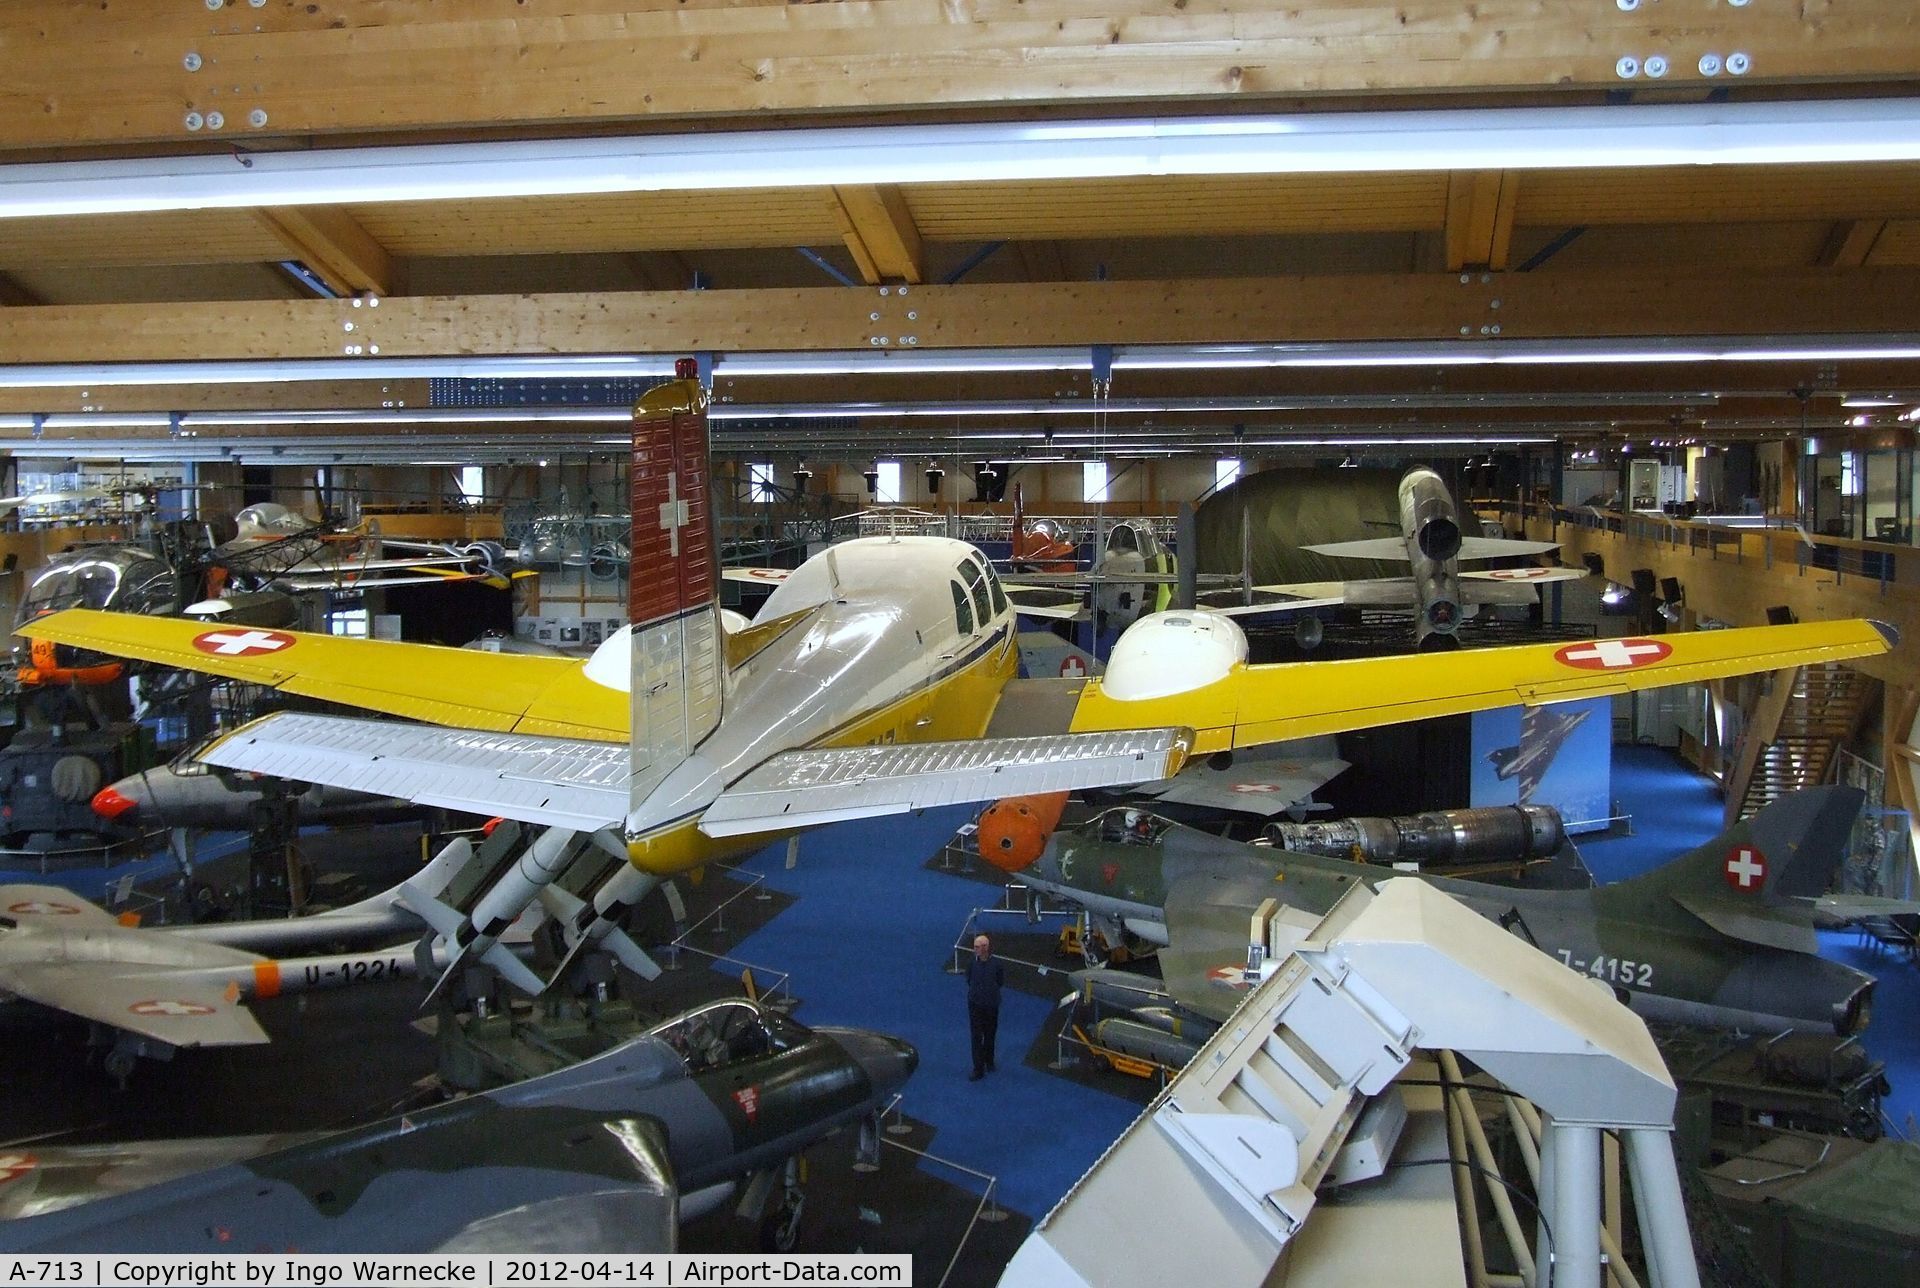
pixel 609 1154
pixel 877 678
pixel 1542 733
pixel 1722 935
pixel 1431 544
pixel 187 986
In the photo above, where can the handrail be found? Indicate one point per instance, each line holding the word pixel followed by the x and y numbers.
pixel 1889 564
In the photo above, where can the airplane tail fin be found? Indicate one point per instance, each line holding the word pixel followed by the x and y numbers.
pixel 678 642
pixel 1788 850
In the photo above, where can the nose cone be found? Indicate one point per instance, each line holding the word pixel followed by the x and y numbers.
pixel 114 806
pixel 887 1061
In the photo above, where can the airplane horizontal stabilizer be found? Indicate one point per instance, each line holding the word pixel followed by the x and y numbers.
pixel 558 782
pixel 826 785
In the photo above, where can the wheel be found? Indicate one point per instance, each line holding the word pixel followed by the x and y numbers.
pixel 780 1231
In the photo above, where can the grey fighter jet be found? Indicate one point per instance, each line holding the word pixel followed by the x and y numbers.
pixel 1722 935
pixel 607 1155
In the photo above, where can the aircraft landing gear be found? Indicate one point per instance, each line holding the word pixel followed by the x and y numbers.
pixel 780 1227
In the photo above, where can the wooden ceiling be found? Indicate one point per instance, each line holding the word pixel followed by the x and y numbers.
pixel 1539 254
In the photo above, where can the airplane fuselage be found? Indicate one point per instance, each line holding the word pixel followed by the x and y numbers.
pixel 894 640
pixel 1660 959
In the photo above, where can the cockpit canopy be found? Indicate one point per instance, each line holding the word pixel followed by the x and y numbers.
pixel 1128 825
pixel 729 1032
pixel 268 519
pixel 120 578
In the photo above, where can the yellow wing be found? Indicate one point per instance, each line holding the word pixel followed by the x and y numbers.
pixel 1260 704
pixel 505 692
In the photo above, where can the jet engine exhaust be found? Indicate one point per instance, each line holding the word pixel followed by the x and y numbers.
pixel 1496 834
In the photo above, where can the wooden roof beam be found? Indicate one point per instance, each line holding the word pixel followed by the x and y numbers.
pixel 880 233
pixel 1648 304
pixel 81 81
pixel 1851 243
pixel 14 296
pixel 331 242
pixel 1479 230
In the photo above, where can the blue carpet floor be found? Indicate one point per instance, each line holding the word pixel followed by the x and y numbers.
pixel 869 938
pixel 1674 809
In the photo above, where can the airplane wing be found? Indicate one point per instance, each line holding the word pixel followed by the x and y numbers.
pixel 163 1004
pixel 1251 705
pixel 1369 548
pixel 1249 786
pixel 1524 576
pixel 1044 601
pixel 499 692
pixel 1273 599
pixel 1502 547
pixel 1834 910
pixel 756 576
pixel 560 782
pixel 55 907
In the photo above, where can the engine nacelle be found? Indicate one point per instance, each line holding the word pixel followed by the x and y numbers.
pixel 1167 653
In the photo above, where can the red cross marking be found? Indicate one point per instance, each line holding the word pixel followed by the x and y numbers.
pixel 238 643
pixel 1072 667
pixel 1612 655
pixel 1517 574
pixel 1745 869
pixel 169 1007
pixel 15 1165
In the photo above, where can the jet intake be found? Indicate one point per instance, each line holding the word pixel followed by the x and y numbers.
pixel 1439 539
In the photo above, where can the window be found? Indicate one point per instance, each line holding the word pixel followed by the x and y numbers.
pixel 1093 481
pixel 473 484
pixel 1850 474
pixel 348 621
pixel 962 608
pixel 760 482
pixel 976 575
pixel 887 491
pixel 999 595
pixel 1226 472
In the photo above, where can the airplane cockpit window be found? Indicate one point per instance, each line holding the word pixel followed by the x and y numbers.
pixel 1123 539
pixel 999 593
pixel 962 608
pixel 976 576
pixel 725 1033
pixel 1131 827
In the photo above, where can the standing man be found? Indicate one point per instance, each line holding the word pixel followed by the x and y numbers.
pixel 984 978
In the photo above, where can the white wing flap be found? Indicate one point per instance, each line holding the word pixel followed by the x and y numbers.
pixel 805 788
pixel 561 782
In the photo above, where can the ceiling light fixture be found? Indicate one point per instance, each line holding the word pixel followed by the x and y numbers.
pixel 1509 138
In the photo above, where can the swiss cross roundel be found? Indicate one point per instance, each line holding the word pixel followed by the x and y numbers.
pixel 1072 667
pixel 1255 789
pixel 1518 574
pixel 42 908
pixel 169 1007
pixel 1745 869
pixel 238 641
pixel 14 1165
pixel 1612 655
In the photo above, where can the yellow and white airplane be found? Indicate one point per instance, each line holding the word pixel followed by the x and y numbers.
pixel 879 677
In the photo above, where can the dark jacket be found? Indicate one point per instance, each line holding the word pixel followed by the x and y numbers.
pixel 984 979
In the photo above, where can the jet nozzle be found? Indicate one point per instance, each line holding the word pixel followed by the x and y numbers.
pixel 111 805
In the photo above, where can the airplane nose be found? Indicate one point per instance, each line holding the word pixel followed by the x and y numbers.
pixel 888 1061
pixel 112 806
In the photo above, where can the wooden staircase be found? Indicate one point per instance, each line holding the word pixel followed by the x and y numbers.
pixel 1798 727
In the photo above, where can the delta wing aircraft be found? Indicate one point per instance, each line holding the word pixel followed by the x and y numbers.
pixel 1721 935
pixel 878 678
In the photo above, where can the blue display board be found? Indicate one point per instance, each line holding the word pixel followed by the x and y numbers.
pixel 1559 755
